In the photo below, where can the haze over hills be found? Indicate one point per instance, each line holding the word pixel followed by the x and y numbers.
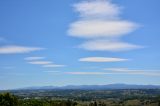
pixel 94 87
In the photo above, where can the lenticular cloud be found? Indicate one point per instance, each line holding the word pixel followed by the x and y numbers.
pixel 100 19
pixel 100 28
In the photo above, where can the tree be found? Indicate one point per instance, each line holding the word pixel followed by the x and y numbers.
pixel 6 99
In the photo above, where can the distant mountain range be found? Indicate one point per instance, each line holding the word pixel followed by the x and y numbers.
pixel 94 87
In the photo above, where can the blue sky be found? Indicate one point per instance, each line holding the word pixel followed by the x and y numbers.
pixel 78 42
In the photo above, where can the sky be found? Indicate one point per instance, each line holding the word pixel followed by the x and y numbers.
pixel 79 42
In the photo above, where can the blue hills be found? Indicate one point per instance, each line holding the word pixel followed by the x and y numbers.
pixel 94 87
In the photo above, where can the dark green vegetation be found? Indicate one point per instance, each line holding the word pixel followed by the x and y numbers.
pixel 128 97
pixel 6 99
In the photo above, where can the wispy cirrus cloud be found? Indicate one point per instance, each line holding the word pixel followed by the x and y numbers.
pixel 15 49
pixel 100 22
pixel 102 59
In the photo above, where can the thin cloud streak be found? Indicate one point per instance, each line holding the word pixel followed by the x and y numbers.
pixel 101 59
pixel 33 58
pixel 87 73
pixel 123 70
pixel 113 73
pixel 108 45
pixel 119 71
pixel 15 49
pixel 40 62
pixel 37 60
pixel 52 71
pixel 134 71
pixel 53 65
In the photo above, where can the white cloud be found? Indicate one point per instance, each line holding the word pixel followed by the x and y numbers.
pixel 99 20
pixel 40 62
pixel 98 8
pixel 53 65
pixel 86 73
pixel 101 28
pixel 123 70
pixel 52 71
pixel 119 71
pixel 133 71
pixel 113 73
pixel 101 59
pixel 106 45
pixel 14 49
pixel 33 58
